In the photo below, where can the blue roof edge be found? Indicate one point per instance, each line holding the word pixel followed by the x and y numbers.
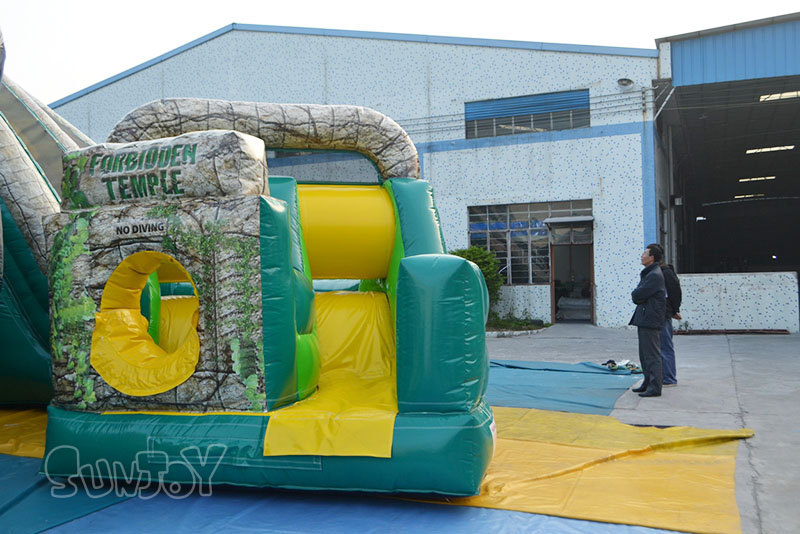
pixel 432 39
pixel 464 41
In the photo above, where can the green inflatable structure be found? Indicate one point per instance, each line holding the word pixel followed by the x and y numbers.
pixel 189 318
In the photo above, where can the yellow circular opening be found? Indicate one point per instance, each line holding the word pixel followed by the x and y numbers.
pixel 123 353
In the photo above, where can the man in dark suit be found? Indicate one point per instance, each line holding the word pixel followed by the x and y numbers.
pixel 649 317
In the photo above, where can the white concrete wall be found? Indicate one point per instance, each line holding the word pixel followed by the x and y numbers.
pixel 521 301
pixel 740 301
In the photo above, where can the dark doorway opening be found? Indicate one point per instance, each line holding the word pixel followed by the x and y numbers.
pixel 735 153
pixel 572 283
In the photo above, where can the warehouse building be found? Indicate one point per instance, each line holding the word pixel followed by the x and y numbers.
pixel 563 160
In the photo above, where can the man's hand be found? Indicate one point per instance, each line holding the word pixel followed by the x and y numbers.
pixel 677 316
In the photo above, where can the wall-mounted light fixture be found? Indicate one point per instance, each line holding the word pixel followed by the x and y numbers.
pixel 625 83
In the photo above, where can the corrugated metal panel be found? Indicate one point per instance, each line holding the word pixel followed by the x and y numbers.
pixel 762 52
pixel 527 105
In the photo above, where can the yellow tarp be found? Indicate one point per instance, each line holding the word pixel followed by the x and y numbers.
pixel 588 467
pixel 595 468
pixel 22 432
pixel 353 411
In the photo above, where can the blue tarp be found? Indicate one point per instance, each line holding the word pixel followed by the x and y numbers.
pixel 578 387
pixel 27 504
pixel 234 510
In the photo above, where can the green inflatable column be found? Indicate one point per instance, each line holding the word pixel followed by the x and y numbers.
pixel 442 363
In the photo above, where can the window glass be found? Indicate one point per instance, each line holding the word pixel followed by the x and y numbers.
pixel 498 218
pixel 519 271
pixel 478 223
pixel 498 243
pixel 538 215
pixel 561 209
pixel 580 118
pixel 518 220
pixel 539 207
pixel 540 268
pixel 540 246
pixel 562 120
pixel 523 124
pixel 581 207
pixel 504 126
pixel 478 219
pixel 478 239
pixel 477 210
pixel 542 122
pixel 484 128
pixel 581 235
pixel 560 235
pixel 470 129
pixel 519 244
pixel 539 229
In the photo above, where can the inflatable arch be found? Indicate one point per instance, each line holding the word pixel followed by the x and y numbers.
pixel 187 337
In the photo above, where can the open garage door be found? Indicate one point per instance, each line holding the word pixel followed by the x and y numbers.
pixel 736 174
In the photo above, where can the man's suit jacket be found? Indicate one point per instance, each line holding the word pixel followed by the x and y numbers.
pixel 649 297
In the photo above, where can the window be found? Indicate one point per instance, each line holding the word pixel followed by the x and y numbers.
pixel 527 114
pixel 519 238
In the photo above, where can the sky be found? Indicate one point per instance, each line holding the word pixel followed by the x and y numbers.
pixel 57 47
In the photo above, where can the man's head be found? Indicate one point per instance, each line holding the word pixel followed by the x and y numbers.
pixel 653 253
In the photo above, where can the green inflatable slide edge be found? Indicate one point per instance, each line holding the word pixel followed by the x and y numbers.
pixel 24 322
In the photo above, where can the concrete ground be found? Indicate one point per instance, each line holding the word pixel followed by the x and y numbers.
pixel 726 382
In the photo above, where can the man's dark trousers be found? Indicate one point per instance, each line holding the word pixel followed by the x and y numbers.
pixel 650 356
pixel 668 353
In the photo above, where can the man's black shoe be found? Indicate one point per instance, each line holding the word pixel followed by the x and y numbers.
pixel 650 394
pixel 639 389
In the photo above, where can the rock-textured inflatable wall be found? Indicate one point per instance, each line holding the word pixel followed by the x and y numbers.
pixel 187 209
pixel 298 126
